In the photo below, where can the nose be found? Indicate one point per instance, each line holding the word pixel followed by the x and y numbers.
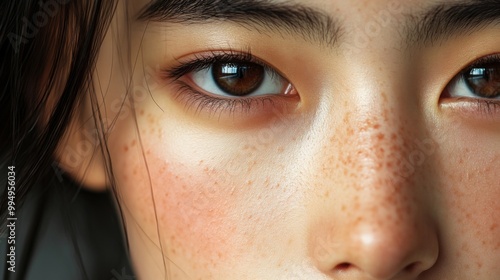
pixel 372 200
pixel 370 248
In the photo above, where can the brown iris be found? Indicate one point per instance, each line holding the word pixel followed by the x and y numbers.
pixel 238 79
pixel 484 81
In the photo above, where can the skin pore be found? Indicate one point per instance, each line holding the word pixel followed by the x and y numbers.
pixel 373 166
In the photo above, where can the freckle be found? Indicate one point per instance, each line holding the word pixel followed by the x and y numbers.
pixel 350 132
pixel 133 143
pixel 465 247
pixel 125 148
pixel 380 136
pixel 141 112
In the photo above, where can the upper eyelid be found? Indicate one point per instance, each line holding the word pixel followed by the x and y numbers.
pixel 204 60
pixel 490 58
pixel 200 61
pixel 476 62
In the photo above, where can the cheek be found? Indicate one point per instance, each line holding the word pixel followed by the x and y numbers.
pixel 186 206
pixel 209 206
pixel 193 211
pixel 470 194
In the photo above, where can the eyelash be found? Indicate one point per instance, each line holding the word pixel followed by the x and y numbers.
pixel 210 102
pixel 485 106
pixel 494 58
pixel 214 104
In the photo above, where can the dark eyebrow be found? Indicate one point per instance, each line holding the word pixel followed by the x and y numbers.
pixel 263 15
pixel 451 19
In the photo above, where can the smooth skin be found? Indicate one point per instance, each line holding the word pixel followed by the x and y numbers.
pixel 366 171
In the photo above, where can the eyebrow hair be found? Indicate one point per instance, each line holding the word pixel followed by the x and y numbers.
pixel 450 19
pixel 263 15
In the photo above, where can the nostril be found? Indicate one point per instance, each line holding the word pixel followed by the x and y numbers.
pixel 412 267
pixel 343 266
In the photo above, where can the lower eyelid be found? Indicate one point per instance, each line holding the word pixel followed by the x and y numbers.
pixel 246 108
pixel 484 110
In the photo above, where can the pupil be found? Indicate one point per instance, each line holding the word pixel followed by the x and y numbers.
pixel 484 81
pixel 238 79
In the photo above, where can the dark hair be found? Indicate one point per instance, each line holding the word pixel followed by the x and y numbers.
pixel 48 51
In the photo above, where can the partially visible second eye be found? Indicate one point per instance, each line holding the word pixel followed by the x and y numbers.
pixel 481 80
pixel 239 79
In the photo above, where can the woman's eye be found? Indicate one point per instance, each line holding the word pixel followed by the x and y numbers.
pixel 479 81
pixel 239 79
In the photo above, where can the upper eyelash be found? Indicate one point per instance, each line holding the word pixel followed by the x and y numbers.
pixel 205 60
pixel 216 104
pixel 494 58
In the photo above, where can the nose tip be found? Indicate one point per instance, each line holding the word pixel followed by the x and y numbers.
pixel 386 256
pixel 381 253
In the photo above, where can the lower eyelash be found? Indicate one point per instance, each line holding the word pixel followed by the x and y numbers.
pixel 488 107
pixel 202 101
pixel 213 104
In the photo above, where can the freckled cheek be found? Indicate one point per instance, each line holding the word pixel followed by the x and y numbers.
pixel 192 209
pixel 471 192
